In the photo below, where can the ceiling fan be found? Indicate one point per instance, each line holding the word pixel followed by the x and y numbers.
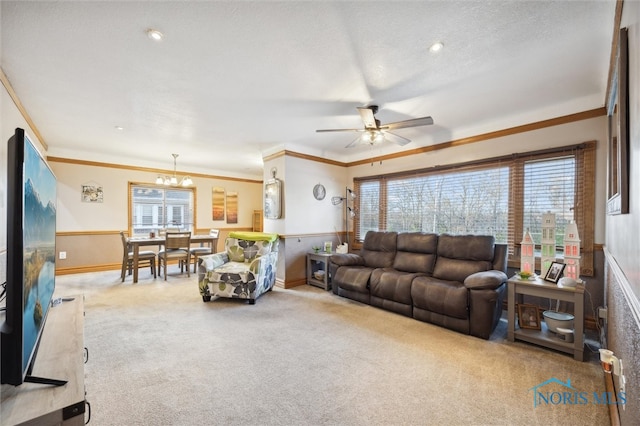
pixel 375 133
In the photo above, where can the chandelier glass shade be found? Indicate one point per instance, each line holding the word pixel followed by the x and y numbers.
pixel 173 180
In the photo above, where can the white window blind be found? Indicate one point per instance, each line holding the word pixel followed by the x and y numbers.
pixel 153 208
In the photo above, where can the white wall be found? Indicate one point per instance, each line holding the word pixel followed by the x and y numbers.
pixel 303 214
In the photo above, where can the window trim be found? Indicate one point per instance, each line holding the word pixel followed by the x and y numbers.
pixel 585 194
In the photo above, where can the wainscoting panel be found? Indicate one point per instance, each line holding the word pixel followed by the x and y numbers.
pixel 623 335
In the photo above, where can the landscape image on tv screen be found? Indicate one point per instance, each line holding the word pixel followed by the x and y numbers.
pixel 39 238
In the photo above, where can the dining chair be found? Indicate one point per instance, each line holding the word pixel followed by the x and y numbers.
pixel 145 258
pixel 204 250
pixel 176 247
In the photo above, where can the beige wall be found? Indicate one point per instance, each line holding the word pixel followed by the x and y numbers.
pixel 88 232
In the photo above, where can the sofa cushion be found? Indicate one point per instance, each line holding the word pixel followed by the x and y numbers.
pixel 457 269
pixel 379 249
pixel 466 247
pixel 449 298
pixel 246 250
pixel 462 255
pixel 389 284
pixel 416 252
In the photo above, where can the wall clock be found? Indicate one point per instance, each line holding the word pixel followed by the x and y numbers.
pixel 319 192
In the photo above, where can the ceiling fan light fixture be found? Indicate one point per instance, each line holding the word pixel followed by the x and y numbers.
pixel 373 137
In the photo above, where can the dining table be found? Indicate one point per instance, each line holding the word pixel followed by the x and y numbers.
pixel 159 240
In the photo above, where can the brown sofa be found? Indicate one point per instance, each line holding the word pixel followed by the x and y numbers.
pixel 455 281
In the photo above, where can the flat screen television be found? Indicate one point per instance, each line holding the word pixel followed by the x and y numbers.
pixel 31 237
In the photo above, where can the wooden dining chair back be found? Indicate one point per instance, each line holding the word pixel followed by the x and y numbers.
pixel 146 258
pixel 163 231
pixel 204 249
pixel 176 248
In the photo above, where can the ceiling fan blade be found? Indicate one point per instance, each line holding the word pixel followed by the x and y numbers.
pixel 354 142
pixel 367 117
pixel 338 130
pixel 414 122
pixel 396 139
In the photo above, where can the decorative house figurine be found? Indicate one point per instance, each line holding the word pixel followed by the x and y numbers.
pixel 548 243
pixel 527 258
pixel 572 251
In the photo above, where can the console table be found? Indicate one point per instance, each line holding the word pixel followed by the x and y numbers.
pixel 540 288
pixel 60 356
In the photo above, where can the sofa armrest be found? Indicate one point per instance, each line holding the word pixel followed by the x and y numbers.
pixel 347 259
pixel 485 280
pixel 210 262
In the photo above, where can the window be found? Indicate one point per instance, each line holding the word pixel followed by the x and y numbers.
pixel 549 186
pixel 501 197
pixel 152 208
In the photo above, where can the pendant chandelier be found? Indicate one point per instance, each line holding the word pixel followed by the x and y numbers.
pixel 173 180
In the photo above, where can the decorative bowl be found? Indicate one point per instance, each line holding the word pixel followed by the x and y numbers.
pixel 555 320
pixel 525 275
pixel 319 275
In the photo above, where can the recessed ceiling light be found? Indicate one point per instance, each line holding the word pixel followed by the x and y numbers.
pixel 154 34
pixel 436 47
pixel 119 128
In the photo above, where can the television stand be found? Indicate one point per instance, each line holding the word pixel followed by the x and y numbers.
pixel 60 354
pixel 44 381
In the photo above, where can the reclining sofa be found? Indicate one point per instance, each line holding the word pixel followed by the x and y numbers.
pixel 244 270
pixel 455 281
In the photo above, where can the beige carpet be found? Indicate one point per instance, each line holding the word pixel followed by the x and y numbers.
pixel 160 356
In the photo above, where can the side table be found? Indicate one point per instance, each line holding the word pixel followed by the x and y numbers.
pixel 540 288
pixel 318 262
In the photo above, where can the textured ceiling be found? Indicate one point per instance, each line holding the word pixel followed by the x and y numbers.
pixel 233 81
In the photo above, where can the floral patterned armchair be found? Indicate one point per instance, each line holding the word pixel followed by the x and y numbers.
pixel 244 270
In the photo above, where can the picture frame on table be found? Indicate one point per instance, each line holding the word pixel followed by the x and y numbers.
pixel 555 272
pixel 529 316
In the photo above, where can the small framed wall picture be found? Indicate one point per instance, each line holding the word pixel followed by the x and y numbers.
pixel 528 316
pixel 555 272
pixel 92 193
